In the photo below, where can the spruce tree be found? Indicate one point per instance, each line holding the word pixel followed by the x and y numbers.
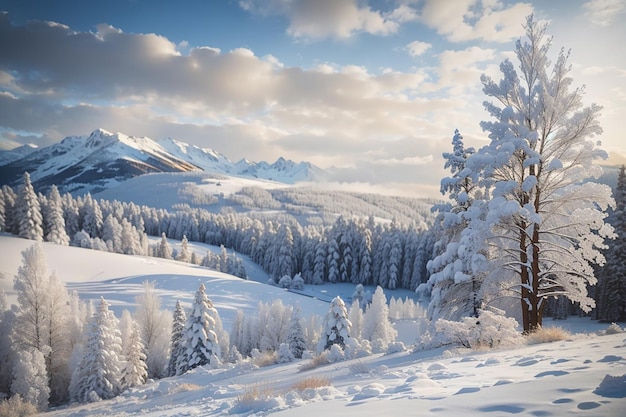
pixel 200 343
pixel 97 375
pixel 28 211
pixel 295 338
pixel 336 329
pixel 178 332
pixel 134 370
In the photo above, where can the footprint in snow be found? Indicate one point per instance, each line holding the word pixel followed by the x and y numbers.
pixel 369 391
pixel 562 401
pixel 489 362
pixel 611 358
pixel 503 408
pixel 588 405
pixel 551 373
pixel 526 362
pixel 467 390
pixel 437 367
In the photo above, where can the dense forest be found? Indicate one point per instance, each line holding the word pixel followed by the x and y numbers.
pixel 355 250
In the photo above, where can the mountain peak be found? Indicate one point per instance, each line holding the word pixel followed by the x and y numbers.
pixel 104 159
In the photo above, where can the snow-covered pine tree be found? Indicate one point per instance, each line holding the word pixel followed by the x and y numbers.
pixel 97 375
pixel 376 325
pixel 92 217
pixel 54 219
pixel 184 255
pixel 200 344
pixel 452 286
pixel 28 211
pixel 319 263
pixel 336 328
pixel 295 339
pixel 134 369
pixel 164 250
pixel 546 218
pixel 333 260
pixel 178 331
pixel 112 234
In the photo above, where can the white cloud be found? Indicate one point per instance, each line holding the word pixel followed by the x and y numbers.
pixel 339 19
pixel 417 48
pixel 466 20
pixel 604 12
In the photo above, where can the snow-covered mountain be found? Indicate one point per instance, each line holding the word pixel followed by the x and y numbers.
pixel 104 159
pixel 8 156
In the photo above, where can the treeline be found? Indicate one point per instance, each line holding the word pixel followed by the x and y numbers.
pixel 359 251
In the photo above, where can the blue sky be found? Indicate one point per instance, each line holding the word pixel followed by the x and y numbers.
pixel 375 88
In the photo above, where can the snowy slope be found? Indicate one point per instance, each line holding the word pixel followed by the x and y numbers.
pixel 583 376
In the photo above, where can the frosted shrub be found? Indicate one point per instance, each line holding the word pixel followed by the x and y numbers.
pixel 395 347
pixel 284 355
pixel 297 283
pixel 335 354
pixel 489 330
pixel 16 407
pixel 547 335
pixel 613 329
pixel 285 282
pixel 358 349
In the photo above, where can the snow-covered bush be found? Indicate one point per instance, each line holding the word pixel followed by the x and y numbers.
pixel 284 355
pixel 395 347
pixel 335 354
pixel 285 282
pixel 30 379
pixel 613 329
pixel 297 283
pixel 489 330
pixel 16 407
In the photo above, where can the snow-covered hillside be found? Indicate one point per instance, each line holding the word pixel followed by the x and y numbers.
pixel 585 375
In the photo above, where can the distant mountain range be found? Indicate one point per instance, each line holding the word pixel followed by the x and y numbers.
pixel 103 159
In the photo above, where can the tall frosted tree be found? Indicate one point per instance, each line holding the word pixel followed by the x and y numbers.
pixel 42 316
pixel 154 328
pixel 200 343
pixel 28 211
pixel 178 332
pixel 452 284
pixel 545 218
pixel 97 375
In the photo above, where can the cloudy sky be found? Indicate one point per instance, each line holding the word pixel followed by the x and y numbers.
pixel 375 88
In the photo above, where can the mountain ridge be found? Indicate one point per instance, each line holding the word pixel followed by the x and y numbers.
pixel 102 159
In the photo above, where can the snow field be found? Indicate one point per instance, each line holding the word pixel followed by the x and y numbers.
pixel 585 375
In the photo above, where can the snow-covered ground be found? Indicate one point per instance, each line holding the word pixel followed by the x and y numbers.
pixel 582 376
